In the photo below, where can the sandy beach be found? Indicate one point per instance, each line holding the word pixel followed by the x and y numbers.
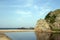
pixel 4 37
pixel 21 30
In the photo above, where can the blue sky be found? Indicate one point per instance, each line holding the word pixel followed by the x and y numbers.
pixel 24 13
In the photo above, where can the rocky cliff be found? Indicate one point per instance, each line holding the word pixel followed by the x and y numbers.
pixel 51 21
pixel 42 25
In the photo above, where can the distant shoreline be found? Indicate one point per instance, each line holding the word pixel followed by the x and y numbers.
pixel 18 30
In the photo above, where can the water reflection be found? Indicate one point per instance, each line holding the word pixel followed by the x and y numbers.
pixel 4 37
pixel 55 36
pixel 47 36
pixel 39 36
pixel 42 36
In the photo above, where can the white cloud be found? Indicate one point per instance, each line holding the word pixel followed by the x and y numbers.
pixel 23 12
pixel 44 11
pixel 40 10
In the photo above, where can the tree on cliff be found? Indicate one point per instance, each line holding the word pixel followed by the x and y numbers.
pixel 53 19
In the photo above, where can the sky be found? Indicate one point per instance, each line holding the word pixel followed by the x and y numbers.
pixel 25 13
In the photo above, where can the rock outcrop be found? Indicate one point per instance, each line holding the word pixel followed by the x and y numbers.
pixel 53 19
pixel 42 25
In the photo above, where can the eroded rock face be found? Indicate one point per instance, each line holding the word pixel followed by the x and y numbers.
pixel 4 37
pixel 42 25
pixel 53 19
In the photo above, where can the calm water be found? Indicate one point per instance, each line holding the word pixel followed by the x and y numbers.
pixel 33 36
pixel 22 35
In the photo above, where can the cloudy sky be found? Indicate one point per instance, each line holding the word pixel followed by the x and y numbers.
pixel 24 13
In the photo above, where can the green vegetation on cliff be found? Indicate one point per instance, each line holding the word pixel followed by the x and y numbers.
pixel 53 19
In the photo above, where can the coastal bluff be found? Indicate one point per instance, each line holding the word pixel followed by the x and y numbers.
pixel 51 22
pixel 53 19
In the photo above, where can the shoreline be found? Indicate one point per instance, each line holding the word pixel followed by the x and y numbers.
pixel 28 30
pixel 18 30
